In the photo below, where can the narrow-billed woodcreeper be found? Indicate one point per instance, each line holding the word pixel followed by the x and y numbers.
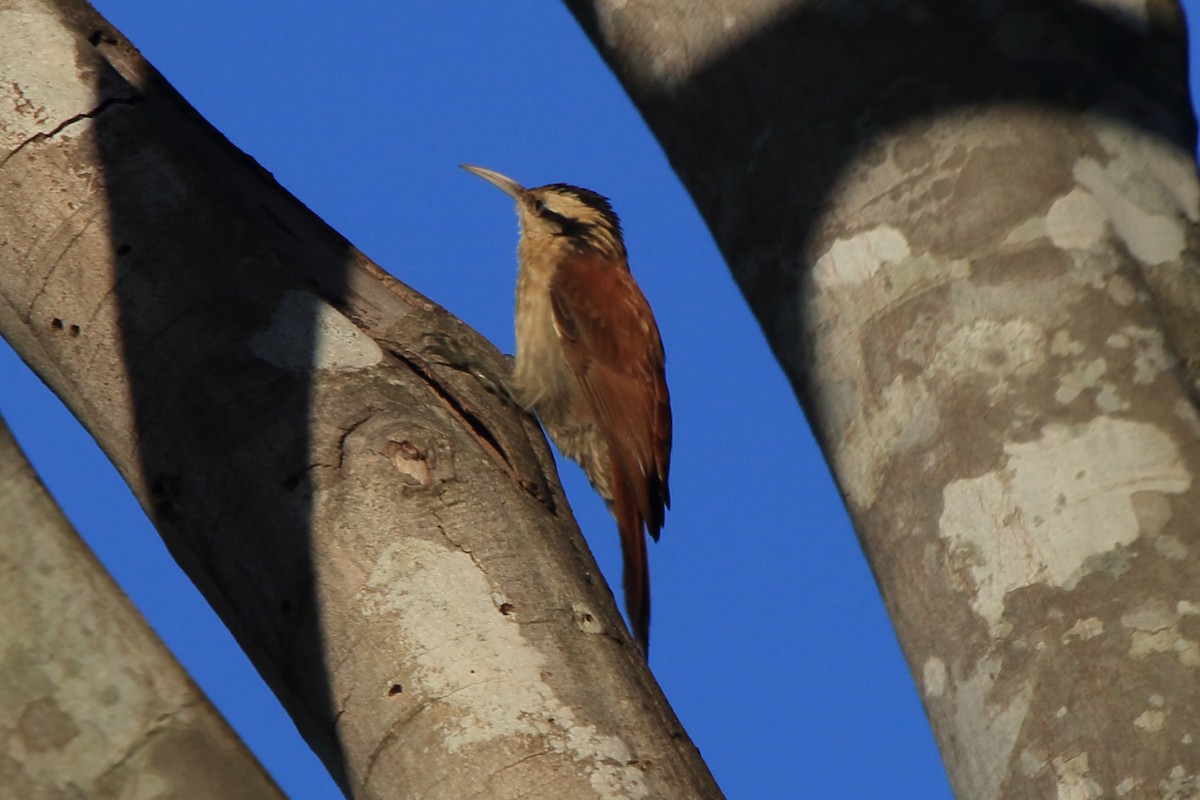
pixel 590 364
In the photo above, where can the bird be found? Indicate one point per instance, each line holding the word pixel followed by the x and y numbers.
pixel 590 366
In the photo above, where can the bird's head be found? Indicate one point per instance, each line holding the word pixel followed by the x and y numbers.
pixel 559 210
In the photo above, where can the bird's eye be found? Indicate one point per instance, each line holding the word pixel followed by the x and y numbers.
pixel 539 207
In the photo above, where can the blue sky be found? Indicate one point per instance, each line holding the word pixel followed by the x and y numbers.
pixel 770 639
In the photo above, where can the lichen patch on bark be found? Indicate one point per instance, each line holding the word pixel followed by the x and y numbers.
pixel 1152 237
pixel 1076 221
pixel 997 724
pixel 935 677
pixel 857 259
pixel 44 89
pixel 462 649
pixel 1055 503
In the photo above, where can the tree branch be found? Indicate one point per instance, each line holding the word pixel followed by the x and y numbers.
pixel 362 516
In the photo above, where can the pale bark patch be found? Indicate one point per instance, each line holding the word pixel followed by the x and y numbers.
pixel 1127 785
pixel 306 333
pixel 463 647
pixel 857 259
pixel 906 417
pixel 1083 630
pixel 686 39
pixel 935 677
pixel 1005 350
pixel 1081 377
pixel 1150 356
pixel 987 722
pixel 1153 615
pixel 1151 720
pixel 1056 503
pixel 1152 238
pixel 1180 784
pixel 1170 183
pixel 1187 608
pixel 1155 630
pixel 1143 644
pixel 1061 344
pixel 1187 413
pixel 41 55
pixel 1121 291
pixel 1076 221
pixel 1073 780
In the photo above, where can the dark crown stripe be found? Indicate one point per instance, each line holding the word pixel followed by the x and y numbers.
pixel 593 200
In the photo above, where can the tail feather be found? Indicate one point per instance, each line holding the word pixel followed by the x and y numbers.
pixel 636 578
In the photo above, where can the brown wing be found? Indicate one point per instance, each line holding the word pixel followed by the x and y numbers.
pixel 611 343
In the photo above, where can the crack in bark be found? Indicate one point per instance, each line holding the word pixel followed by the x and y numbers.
pixel 27 316
pixel 389 735
pixel 442 530
pixel 534 483
pixel 42 136
pixel 536 790
pixel 488 440
pixel 156 728
pixel 341 446
pixel 427 704
pixel 487 791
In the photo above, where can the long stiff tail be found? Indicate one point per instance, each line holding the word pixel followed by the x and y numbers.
pixel 636 579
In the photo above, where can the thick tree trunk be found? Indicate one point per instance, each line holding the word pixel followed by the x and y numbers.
pixel 92 702
pixel 375 527
pixel 969 233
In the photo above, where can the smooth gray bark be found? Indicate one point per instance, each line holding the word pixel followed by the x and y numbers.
pixel 91 702
pixel 382 532
pixel 969 232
